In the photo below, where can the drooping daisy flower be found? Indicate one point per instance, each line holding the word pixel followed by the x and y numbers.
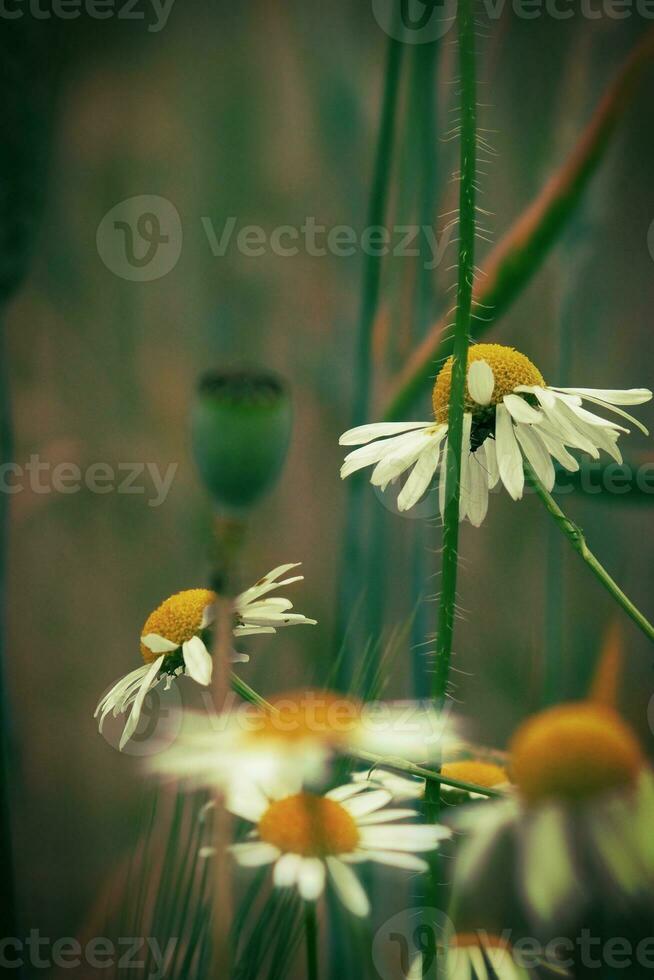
pixel 309 838
pixel 297 734
pixel 511 415
pixel 580 775
pixel 175 641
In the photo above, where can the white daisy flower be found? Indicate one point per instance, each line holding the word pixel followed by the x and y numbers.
pixel 174 641
pixel 580 775
pixel 309 838
pixel 511 415
pixel 297 734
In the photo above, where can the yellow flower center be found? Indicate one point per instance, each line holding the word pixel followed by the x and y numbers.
pixel 476 771
pixel 510 369
pixel 308 713
pixel 310 825
pixel 177 619
pixel 573 752
pixel 465 940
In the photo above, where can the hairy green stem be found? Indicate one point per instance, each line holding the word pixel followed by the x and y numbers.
pixel 431 775
pixel 311 938
pixel 352 559
pixel 575 536
pixel 467 194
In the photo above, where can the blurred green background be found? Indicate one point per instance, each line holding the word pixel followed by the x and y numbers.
pixel 268 113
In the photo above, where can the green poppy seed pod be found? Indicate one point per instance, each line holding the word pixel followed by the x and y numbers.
pixel 240 432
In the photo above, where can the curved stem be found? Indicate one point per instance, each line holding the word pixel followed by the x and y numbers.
pixel 411 769
pixel 576 538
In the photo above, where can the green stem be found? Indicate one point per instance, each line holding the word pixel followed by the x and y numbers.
pixel 467 192
pixel 248 693
pixel 352 559
pixel 311 938
pixel 576 538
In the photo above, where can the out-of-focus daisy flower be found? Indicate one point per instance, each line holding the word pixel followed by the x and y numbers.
pixel 580 773
pixel 297 734
pixel 481 956
pixel 309 838
pixel 175 640
pixel 511 415
pixel 475 771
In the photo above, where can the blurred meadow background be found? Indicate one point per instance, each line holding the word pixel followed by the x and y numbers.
pixel 268 113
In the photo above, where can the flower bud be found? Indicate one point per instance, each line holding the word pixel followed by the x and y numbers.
pixel 240 431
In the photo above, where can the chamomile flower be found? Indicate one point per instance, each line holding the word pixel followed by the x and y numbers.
pixel 510 415
pixel 175 636
pixel 297 734
pixel 309 838
pixel 580 776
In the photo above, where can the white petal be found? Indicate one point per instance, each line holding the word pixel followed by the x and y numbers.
pixel 208 615
pixel 398 860
pixel 149 680
pixel 521 410
pixel 348 887
pixel 246 800
pixel 252 630
pixel 311 879
pixel 492 471
pixel 509 457
pixel 549 877
pixel 481 382
pixel 197 661
pixel 477 475
pixel 345 791
pixel 464 474
pixel 536 454
pixel 158 644
pixel 485 824
pixel 286 870
pixel 414 838
pixel 266 584
pixel 369 454
pixel 395 463
pixel 556 448
pixel 359 806
pixel 385 816
pixel 619 411
pixel 253 854
pixel 422 473
pixel 376 430
pixel 615 396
